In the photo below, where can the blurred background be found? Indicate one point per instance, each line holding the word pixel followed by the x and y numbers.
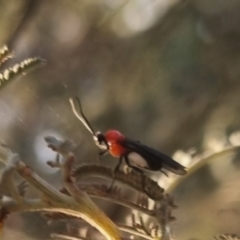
pixel 165 72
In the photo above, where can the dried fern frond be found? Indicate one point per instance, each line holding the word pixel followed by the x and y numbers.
pixel 133 180
pixel 20 68
pixel 5 54
pixel 79 205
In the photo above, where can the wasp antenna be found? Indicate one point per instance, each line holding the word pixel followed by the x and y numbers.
pixel 80 115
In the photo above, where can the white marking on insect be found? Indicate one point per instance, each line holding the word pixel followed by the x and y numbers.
pixel 137 160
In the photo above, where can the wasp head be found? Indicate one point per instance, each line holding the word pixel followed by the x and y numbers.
pixel 101 141
pixel 98 137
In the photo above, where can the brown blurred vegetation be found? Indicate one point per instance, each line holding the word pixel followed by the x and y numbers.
pixel 162 72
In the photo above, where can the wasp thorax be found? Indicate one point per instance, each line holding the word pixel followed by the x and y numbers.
pixel 100 141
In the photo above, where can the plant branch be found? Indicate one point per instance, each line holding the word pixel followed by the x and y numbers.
pixel 55 201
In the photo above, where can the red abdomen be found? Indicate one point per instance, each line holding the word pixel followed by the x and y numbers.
pixel 114 139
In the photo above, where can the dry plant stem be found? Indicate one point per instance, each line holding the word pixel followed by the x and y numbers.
pixel 102 195
pixel 164 218
pixel 27 205
pixel 7 182
pixel 133 180
pixel 144 227
pixel 201 161
pixel 132 230
pixel 66 237
pixel 107 226
pixel 58 202
pixel 25 172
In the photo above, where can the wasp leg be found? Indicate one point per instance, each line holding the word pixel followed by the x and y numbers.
pixel 101 154
pixel 164 173
pixel 140 172
pixel 114 173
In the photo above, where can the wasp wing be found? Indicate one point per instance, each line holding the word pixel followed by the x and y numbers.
pixel 155 159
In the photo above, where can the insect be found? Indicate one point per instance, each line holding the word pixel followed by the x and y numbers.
pixel 136 155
